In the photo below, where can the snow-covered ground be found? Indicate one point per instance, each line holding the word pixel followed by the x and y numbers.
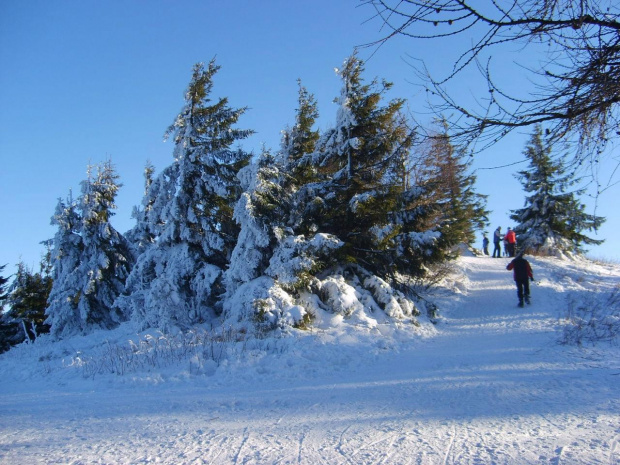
pixel 488 384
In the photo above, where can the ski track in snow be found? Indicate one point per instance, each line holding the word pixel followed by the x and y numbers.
pixel 492 386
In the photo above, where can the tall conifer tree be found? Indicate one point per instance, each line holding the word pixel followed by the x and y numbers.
pixel 462 209
pixel 553 219
pixel 177 281
pixel 358 161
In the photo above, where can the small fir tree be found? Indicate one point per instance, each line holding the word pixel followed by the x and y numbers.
pixel 299 142
pixel 28 298
pixel 267 210
pixel 140 237
pixel 260 212
pixel 553 220
pixel 9 328
pixel 106 258
pixel 269 214
pixel 417 217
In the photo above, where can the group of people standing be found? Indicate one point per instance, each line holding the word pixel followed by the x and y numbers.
pixel 509 240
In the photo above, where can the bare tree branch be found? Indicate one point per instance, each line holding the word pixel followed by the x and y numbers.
pixel 575 92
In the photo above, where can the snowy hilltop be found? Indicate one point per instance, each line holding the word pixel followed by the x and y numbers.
pixel 333 224
pixel 486 382
pixel 351 223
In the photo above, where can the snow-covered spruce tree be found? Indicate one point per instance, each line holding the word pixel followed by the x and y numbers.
pixel 553 220
pixel 62 312
pixel 260 213
pixel 91 260
pixel 178 280
pixel 106 259
pixel 140 236
pixel 360 161
pixel 8 326
pixel 338 250
pixel 266 212
pixel 27 300
pixel 417 218
pixel 447 174
pixel 299 142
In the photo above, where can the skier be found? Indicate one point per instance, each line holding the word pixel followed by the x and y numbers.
pixel 511 239
pixel 522 275
pixel 497 237
pixel 485 245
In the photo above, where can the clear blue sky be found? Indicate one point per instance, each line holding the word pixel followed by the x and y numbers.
pixel 82 81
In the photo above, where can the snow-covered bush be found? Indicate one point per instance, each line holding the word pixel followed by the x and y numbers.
pixel 357 294
pixel 201 350
pixel 269 300
pixel 351 292
pixel 298 259
pixel 595 318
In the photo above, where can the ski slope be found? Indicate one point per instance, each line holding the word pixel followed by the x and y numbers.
pixel 488 384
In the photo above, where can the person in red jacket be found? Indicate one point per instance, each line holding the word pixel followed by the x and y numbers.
pixel 511 239
pixel 522 275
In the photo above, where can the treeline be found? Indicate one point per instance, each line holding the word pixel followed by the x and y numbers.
pixel 344 221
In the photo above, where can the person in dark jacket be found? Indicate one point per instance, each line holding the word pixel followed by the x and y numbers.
pixel 485 245
pixel 522 272
pixel 497 237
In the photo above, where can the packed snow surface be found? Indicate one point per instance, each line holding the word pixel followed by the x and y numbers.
pixel 489 383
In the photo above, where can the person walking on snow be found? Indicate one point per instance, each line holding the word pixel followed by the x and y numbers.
pixel 485 245
pixel 522 272
pixel 497 237
pixel 511 239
